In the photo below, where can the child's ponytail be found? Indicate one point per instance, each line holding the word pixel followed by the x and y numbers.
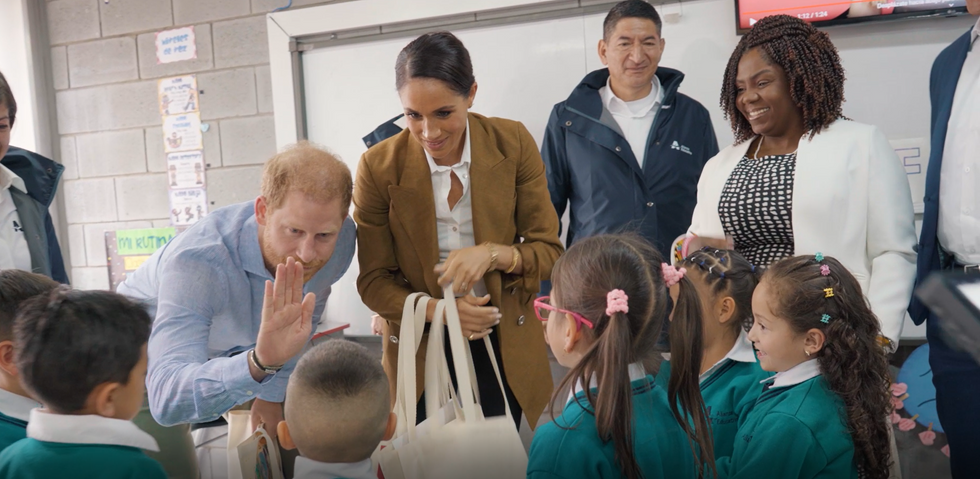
pixel 614 412
pixel 684 386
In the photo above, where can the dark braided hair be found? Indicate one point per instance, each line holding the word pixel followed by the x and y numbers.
pixel 812 66
pixel 729 273
pixel 851 360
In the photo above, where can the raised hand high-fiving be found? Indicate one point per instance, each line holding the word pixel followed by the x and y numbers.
pixel 287 316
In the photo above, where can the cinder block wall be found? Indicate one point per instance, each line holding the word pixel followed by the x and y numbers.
pixel 105 74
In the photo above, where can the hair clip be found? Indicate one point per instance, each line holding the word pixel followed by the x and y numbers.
pixel 828 292
pixel 825 319
pixel 753 268
pixel 824 270
pixel 818 257
pixel 721 275
pixel 616 302
pixel 671 274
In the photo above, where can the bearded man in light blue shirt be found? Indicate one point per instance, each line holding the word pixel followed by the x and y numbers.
pixel 233 298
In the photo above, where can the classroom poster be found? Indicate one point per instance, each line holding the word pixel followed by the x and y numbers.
pixel 176 45
pixel 127 250
pixel 177 95
pixel 182 132
pixel 188 206
pixel 186 170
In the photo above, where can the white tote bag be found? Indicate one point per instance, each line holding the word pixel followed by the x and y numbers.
pixel 455 440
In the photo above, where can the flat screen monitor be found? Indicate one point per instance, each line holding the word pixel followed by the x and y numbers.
pixel 828 12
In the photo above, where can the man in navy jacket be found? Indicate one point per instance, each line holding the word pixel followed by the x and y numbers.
pixel 625 150
pixel 951 234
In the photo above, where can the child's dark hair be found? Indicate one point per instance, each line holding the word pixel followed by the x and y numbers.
pixel 582 279
pixel 17 286
pixel 69 342
pixel 438 55
pixel 852 361
pixel 727 273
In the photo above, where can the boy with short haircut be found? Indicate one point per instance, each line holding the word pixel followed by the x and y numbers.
pixel 16 286
pixel 338 409
pixel 82 354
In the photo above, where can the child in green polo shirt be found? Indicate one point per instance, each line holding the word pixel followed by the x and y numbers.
pixel 16 286
pixel 609 298
pixel 823 414
pixel 722 282
pixel 82 354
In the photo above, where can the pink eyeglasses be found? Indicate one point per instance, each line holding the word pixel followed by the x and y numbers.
pixel 543 308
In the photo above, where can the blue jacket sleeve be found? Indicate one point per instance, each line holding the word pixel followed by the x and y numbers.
pixel 556 164
pixel 58 272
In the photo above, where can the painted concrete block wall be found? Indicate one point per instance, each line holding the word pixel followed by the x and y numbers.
pixel 105 73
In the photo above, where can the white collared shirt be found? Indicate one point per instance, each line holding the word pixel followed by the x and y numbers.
pixel 795 375
pixel 636 372
pixel 635 118
pixel 88 429
pixel 16 406
pixel 310 469
pixel 959 205
pixel 14 253
pixel 742 352
pixel 454 226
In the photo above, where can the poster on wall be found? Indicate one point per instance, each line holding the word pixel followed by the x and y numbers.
pixel 127 250
pixel 176 45
pixel 177 95
pixel 182 132
pixel 188 206
pixel 186 170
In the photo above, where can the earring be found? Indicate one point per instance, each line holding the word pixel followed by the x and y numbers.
pixel 807 353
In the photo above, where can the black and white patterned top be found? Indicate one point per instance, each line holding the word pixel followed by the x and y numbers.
pixel 756 208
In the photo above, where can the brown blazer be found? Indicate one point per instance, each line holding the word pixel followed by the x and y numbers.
pixel 398 245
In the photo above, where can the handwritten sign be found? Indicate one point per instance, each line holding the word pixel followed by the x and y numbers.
pixel 176 45
pixel 127 250
pixel 914 155
pixel 182 132
pixel 177 95
pixel 188 206
pixel 186 169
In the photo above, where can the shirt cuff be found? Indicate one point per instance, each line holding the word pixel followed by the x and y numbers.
pixel 238 380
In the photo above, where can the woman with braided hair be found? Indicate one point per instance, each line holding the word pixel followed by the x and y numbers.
pixel 801 177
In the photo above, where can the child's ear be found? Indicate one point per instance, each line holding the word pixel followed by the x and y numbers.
pixel 390 428
pixel 572 333
pixel 102 399
pixel 725 309
pixel 7 358
pixel 814 341
pixel 285 439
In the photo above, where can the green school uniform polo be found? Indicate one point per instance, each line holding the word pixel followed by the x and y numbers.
pixel 794 430
pixel 569 447
pixel 80 447
pixel 729 390
pixel 11 430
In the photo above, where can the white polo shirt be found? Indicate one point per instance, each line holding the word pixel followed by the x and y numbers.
pixel 635 118
pixel 14 253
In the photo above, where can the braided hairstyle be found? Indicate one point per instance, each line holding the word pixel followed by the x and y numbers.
pixel 727 273
pixel 813 70
pixel 851 360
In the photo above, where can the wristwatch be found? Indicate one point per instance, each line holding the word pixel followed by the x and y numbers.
pixel 270 370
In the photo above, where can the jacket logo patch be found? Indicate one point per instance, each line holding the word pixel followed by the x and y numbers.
pixel 681 148
pixel 17 227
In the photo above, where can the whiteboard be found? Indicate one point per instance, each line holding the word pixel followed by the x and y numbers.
pixel 524 69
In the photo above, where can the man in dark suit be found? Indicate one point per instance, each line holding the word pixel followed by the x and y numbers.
pixel 951 234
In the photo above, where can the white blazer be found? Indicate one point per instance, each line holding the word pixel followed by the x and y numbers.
pixel 851 200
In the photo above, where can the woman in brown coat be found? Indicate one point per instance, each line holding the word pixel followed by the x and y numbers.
pixel 458 198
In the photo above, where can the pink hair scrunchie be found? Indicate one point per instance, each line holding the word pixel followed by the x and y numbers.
pixel 616 302
pixel 672 275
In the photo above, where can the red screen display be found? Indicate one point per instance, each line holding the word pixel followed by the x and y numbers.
pixel 750 11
